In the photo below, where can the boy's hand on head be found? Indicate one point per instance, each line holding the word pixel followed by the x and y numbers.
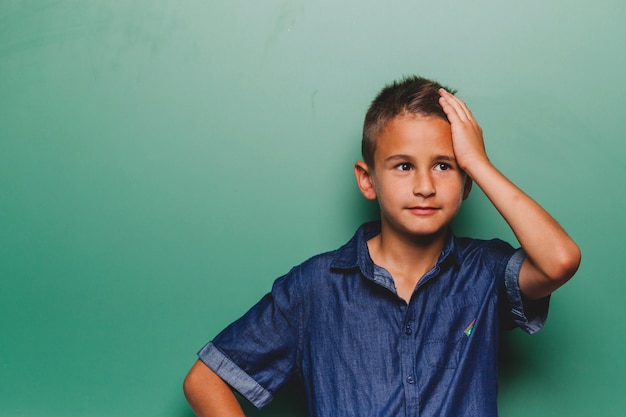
pixel 467 135
pixel 552 257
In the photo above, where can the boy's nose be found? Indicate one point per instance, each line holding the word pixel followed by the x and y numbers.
pixel 423 185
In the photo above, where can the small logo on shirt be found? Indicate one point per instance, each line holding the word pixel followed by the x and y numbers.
pixel 468 329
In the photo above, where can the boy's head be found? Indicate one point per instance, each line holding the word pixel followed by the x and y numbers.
pixel 409 96
pixel 409 164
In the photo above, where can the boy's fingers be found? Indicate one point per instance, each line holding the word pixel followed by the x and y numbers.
pixel 457 104
pixel 454 108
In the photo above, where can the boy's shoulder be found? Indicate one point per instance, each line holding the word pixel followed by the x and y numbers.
pixel 494 254
pixel 467 245
pixel 352 256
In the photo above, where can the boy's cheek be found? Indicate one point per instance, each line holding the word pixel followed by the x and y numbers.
pixel 467 187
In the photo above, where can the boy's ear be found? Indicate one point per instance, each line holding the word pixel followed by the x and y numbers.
pixel 364 180
pixel 467 187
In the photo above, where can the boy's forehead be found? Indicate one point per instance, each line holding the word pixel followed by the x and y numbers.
pixel 415 127
pixel 409 117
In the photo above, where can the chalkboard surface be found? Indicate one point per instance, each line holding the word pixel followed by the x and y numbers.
pixel 162 162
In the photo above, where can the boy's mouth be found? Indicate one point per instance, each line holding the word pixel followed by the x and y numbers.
pixel 423 210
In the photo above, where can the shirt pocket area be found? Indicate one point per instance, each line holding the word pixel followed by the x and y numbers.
pixel 449 328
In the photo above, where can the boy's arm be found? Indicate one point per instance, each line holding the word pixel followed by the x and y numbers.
pixel 208 395
pixel 552 257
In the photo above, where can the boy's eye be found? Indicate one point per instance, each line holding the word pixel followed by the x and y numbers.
pixel 405 166
pixel 442 166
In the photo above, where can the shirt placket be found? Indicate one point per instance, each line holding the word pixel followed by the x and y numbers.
pixel 409 340
pixel 410 383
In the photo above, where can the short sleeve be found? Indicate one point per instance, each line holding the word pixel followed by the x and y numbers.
pixel 528 315
pixel 257 353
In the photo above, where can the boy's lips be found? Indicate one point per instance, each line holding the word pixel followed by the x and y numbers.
pixel 423 210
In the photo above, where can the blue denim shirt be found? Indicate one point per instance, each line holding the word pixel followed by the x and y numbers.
pixel 336 324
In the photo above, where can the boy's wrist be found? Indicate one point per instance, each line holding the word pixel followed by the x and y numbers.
pixel 475 167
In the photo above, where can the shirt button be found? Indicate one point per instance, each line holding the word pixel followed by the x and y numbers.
pixel 408 330
pixel 410 380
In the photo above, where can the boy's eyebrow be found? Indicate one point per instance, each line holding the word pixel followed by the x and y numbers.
pixel 397 157
pixel 401 157
pixel 448 158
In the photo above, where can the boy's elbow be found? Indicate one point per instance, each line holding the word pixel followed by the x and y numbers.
pixel 565 265
pixel 195 381
pixel 189 384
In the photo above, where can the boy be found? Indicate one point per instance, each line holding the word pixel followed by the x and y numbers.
pixel 404 319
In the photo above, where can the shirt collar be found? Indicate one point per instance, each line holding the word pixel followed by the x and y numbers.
pixel 355 254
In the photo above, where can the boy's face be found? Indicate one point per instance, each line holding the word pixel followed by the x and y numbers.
pixel 415 178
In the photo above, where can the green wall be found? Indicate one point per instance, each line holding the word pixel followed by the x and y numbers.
pixel 145 145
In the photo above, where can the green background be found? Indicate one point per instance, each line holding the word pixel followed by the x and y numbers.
pixel 161 162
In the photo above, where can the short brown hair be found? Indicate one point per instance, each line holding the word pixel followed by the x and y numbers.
pixel 410 95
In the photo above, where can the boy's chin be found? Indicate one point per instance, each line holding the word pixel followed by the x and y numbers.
pixel 422 234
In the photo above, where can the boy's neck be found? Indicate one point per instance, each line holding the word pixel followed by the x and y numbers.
pixel 406 259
